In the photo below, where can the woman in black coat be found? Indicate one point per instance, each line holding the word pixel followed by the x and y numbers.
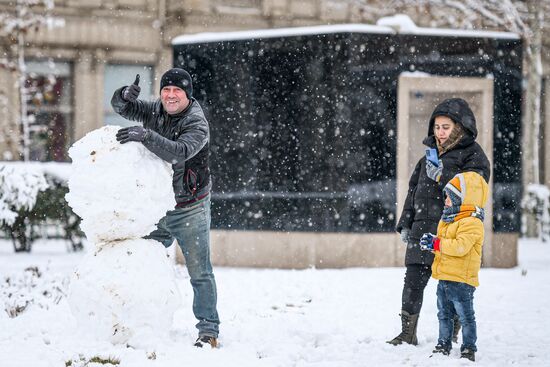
pixel 452 131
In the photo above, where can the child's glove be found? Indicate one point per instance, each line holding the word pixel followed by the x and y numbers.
pixel 429 242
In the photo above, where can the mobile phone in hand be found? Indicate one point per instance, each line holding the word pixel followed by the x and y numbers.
pixel 431 155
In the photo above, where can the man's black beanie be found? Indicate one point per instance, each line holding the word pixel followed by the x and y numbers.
pixel 178 78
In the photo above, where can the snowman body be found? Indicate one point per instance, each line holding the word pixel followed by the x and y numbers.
pixel 124 291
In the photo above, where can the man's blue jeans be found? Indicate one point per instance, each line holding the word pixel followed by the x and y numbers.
pixel 190 226
pixel 461 297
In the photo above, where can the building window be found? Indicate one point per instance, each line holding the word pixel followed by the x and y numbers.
pixel 241 3
pixel 49 106
pixel 117 75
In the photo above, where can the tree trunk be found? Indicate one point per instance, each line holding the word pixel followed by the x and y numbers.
pixel 22 87
pixel 21 233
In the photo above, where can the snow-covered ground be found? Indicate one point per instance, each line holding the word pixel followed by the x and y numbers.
pixel 288 318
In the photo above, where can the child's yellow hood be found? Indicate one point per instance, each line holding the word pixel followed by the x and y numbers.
pixel 470 187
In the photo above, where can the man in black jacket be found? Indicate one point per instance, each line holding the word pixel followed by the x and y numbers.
pixel 176 130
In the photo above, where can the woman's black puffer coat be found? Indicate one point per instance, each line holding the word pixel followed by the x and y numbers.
pixel 424 203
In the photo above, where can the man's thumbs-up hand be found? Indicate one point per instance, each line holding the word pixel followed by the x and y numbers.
pixel 131 92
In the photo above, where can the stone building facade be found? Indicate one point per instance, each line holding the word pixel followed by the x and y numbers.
pixel 101 39
pixel 104 43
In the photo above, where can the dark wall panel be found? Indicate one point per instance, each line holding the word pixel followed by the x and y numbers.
pixel 304 127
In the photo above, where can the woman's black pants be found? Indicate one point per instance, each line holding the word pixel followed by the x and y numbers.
pixel 416 279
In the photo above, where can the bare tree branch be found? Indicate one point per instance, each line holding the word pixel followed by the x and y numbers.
pixel 508 15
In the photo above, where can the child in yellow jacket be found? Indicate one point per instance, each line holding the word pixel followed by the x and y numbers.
pixel 457 250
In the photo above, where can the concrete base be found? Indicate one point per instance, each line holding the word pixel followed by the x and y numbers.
pixel 505 251
pixel 300 250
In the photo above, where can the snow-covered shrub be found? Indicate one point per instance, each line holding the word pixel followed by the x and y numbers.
pixel 19 187
pixel 51 208
pixel 537 204
pixel 32 288
pixel 30 199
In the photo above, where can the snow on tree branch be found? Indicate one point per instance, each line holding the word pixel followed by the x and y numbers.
pixel 15 24
pixel 26 16
pixel 19 187
pixel 510 15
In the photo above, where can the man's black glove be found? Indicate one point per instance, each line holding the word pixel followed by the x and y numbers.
pixel 131 92
pixel 132 133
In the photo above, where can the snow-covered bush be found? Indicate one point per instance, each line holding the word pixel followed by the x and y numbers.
pixel 32 288
pixel 52 209
pixel 19 187
pixel 32 197
pixel 537 204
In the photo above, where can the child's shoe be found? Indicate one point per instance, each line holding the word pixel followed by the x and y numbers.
pixel 468 354
pixel 442 349
pixel 206 340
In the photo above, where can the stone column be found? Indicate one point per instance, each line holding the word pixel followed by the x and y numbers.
pixel 546 140
pixel 10 131
pixel 98 74
pixel 164 62
pixel 88 91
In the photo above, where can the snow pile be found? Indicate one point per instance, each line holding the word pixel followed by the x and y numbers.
pixel 126 293
pixel 119 191
pixel 59 170
pixel 32 287
pixel 399 22
pixel 125 290
pixel 19 187
pixel 302 318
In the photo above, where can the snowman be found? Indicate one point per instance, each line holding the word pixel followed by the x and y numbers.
pixel 124 291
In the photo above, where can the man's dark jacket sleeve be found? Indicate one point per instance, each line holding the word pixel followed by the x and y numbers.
pixel 191 141
pixel 192 137
pixel 138 110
